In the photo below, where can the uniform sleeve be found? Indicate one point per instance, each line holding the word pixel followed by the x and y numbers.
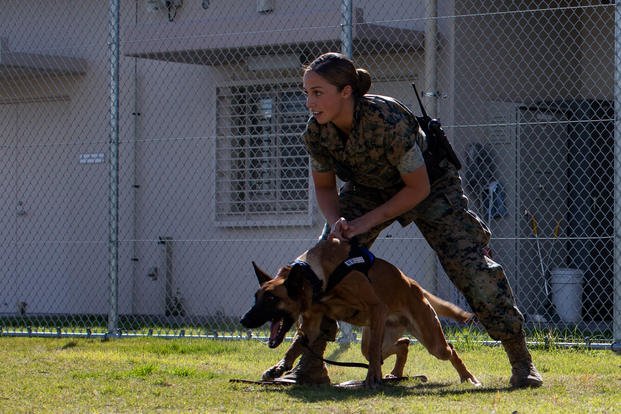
pixel 403 146
pixel 319 157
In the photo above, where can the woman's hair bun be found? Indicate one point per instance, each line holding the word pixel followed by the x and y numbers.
pixel 364 81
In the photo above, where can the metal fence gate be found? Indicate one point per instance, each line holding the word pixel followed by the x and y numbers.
pixel 150 150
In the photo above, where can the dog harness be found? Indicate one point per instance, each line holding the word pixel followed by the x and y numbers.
pixel 360 259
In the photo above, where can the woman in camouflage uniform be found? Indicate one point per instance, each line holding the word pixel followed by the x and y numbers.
pixel 375 145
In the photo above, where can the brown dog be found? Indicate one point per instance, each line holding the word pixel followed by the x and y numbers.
pixel 385 302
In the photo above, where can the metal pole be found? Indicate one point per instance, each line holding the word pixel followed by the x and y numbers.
pixel 430 88
pixel 113 242
pixel 430 91
pixel 346 28
pixel 617 180
pixel 347 334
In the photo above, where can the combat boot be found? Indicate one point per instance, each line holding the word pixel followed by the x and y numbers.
pixel 310 369
pixel 523 371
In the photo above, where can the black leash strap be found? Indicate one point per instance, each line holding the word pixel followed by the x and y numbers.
pixel 329 361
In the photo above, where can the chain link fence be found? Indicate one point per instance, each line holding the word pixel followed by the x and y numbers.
pixel 146 161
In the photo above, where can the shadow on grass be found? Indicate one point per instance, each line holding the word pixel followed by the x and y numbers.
pixel 393 390
pixel 337 352
pixel 402 389
pixel 397 391
pixel 411 387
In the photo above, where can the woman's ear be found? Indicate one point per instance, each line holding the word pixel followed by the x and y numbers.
pixel 347 91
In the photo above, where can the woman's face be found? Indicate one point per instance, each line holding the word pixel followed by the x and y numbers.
pixel 326 102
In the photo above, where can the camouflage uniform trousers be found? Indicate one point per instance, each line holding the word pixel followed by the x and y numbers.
pixel 458 237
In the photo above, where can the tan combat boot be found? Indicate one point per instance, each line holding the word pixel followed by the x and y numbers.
pixel 310 369
pixel 523 371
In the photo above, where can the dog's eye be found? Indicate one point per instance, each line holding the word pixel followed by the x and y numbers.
pixel 268 297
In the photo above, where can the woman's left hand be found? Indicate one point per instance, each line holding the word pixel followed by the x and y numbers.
pixel 339 229
pixel 355 227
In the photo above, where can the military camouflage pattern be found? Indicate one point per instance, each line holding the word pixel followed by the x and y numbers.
pixel 458 237
pixel 385 142
pixel 371 166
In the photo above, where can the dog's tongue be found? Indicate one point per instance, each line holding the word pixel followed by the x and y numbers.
pixel 274 328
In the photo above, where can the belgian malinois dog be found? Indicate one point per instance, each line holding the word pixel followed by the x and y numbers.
pixel 384 301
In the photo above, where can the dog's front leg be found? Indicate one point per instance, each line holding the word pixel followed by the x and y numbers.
pixel 285 364
pixel 379 313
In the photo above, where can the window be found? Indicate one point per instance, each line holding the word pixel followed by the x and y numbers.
pixel 262 166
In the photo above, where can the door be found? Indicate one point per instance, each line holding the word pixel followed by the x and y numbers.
pixel 9 207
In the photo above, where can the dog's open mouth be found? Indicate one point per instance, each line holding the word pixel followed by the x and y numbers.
pixel 279 326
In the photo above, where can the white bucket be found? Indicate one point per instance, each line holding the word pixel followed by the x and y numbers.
pixel 567 293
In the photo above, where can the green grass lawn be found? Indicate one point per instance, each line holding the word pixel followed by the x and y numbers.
pixel 192 375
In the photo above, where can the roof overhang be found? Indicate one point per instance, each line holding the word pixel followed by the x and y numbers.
pixel 19 65
pixel 230 41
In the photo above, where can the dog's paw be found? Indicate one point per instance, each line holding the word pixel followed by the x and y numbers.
pixel 373 381
pixel 473 381
pixel 276 371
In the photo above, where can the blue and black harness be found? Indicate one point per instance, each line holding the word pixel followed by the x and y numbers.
pixel 360 259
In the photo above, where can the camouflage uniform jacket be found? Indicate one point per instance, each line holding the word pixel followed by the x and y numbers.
pixel 385 142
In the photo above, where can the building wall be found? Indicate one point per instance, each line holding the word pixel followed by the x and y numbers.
pixel 55 236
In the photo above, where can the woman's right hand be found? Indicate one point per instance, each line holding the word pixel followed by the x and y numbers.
pixel 339 228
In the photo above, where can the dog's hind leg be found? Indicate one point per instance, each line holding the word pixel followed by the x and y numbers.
pixel 400 350
pixel 395 345
pixel 390 346
pixel 445 351
pixel 428 330
pixel 459 366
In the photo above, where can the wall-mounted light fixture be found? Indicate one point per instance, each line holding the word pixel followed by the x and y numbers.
pixel 170 5
pixel 265 6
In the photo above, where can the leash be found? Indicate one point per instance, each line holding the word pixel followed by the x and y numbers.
pixel 331 362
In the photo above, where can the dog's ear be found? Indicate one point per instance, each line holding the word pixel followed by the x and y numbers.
pixel 261 275
pixel 295 282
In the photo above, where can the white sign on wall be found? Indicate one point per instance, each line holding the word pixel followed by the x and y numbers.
pixel 95 158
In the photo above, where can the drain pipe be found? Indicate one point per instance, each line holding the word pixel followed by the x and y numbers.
pixel 430 91
pixel 346 28
pixel 616 317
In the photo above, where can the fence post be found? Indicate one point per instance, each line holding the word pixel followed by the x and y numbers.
pixel 346 28
pixel 113 254
pixel 616 317
pixel 347 334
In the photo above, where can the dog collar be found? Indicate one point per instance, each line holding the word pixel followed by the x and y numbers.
pixel 311 276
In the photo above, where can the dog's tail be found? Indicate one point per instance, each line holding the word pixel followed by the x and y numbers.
pixel 447 309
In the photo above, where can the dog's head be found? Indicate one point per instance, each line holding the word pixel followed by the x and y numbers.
pixel 279 301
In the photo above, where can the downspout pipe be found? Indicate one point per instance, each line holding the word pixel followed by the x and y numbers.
pixel 346 28
pixel 430 88
pixel 430 91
